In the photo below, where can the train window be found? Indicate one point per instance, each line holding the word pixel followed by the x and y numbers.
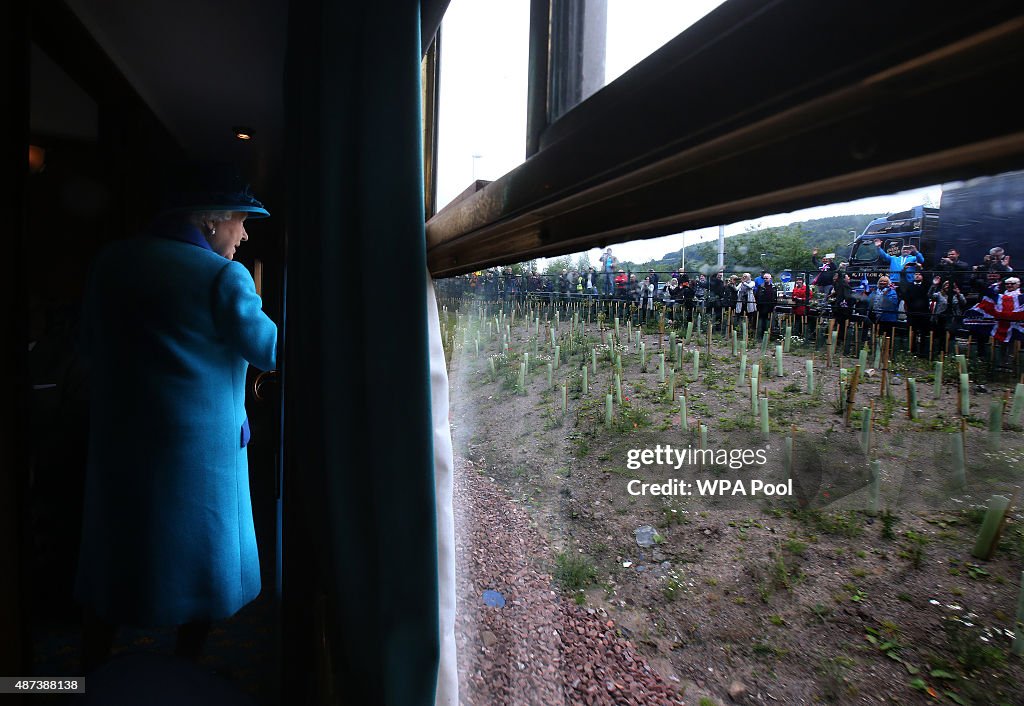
pixel 594 42
pixel 483 81
pixel 638 520
pixel 698 132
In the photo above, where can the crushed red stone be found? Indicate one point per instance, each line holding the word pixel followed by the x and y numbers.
pixel 539 648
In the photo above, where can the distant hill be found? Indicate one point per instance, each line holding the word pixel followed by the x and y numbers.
pixel 773 249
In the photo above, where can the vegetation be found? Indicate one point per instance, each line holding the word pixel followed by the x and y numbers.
pixel 773 249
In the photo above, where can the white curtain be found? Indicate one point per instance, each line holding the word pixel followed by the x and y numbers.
pixel 447 676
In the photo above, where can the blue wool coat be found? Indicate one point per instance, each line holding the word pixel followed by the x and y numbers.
pixel 167 537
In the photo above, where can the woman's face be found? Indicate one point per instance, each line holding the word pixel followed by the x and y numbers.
pixel 228 235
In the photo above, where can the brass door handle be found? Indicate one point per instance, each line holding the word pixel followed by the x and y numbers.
pixel 261 379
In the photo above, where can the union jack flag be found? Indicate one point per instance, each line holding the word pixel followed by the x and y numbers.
pixel 999 315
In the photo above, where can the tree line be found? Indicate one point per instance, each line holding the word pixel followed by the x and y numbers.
pixel 772 249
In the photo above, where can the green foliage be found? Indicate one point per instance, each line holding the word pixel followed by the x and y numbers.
pixel 795 546
pixel 574 571
pixel 889 520
pixel 556 265
pixel 630 418
pixel 915 548
pixel 847 524
pixel 672 516
pixel 784 247
pixel 971 644
pixel 672 587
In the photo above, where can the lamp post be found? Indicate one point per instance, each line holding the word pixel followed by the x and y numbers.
pixel 475 157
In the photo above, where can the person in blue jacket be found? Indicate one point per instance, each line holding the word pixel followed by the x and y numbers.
pixel 171 324
pixel 903 265
pixel 884 305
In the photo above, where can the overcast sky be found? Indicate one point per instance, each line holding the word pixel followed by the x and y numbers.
pixel 482 120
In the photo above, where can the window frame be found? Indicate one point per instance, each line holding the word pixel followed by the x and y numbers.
pixel 667 163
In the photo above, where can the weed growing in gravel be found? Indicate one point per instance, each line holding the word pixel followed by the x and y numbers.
pixel 971 643
pixel 672 516
pixel 847 524
pixel 795 546
pixel 888 521
pixel 915 548
pixel 672 586
pixel 834 683
pixel 631 418
pixel 574 571
pixel 820 611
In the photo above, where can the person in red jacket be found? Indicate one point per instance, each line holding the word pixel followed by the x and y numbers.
pixel 621 285
pixel 799 303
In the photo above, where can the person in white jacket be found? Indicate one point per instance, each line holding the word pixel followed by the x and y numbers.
pixel 646 299
pixel 746 304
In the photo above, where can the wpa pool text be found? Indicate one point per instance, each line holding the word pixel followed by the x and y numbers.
pixel 711 487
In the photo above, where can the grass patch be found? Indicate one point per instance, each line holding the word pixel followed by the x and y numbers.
pixel 574 571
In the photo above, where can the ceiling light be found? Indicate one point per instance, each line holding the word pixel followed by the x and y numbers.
pixel 36 159
pixel 242 133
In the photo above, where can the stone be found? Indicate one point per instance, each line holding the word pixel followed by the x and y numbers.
pixel 645 536
pixel 737 691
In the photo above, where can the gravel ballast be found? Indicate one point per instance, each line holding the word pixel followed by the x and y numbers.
pixel 539 647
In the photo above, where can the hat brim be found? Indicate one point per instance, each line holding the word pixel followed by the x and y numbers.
pixel 250 211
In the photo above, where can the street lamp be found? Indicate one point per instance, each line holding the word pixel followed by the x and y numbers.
pixel 475 157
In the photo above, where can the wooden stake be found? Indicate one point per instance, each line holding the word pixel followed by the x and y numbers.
pixel 851 393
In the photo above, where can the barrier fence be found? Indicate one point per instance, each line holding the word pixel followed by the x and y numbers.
pixel 987 326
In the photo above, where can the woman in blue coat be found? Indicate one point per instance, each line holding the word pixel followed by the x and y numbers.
pixel 171 326
pixel 883 306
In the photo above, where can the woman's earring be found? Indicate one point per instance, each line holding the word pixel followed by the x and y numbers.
pixel 213 232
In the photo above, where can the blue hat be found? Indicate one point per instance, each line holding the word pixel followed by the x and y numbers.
pixel 198 187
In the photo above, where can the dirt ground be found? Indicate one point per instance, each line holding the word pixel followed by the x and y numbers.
pixel 741 598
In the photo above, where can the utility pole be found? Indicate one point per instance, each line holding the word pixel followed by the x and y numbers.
pixel 721 248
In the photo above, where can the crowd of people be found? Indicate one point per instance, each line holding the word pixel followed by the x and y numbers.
pixel 954 297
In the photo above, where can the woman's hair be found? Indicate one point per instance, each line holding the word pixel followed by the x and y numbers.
pixel 673 281
pixel 883 278
pixel 198 218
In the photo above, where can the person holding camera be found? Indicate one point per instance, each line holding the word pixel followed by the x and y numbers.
pixel 902 266
pixel 959 270
pixel 948 307
pixel 609 263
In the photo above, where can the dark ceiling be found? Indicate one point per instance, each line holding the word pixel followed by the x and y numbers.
pixel 202 67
